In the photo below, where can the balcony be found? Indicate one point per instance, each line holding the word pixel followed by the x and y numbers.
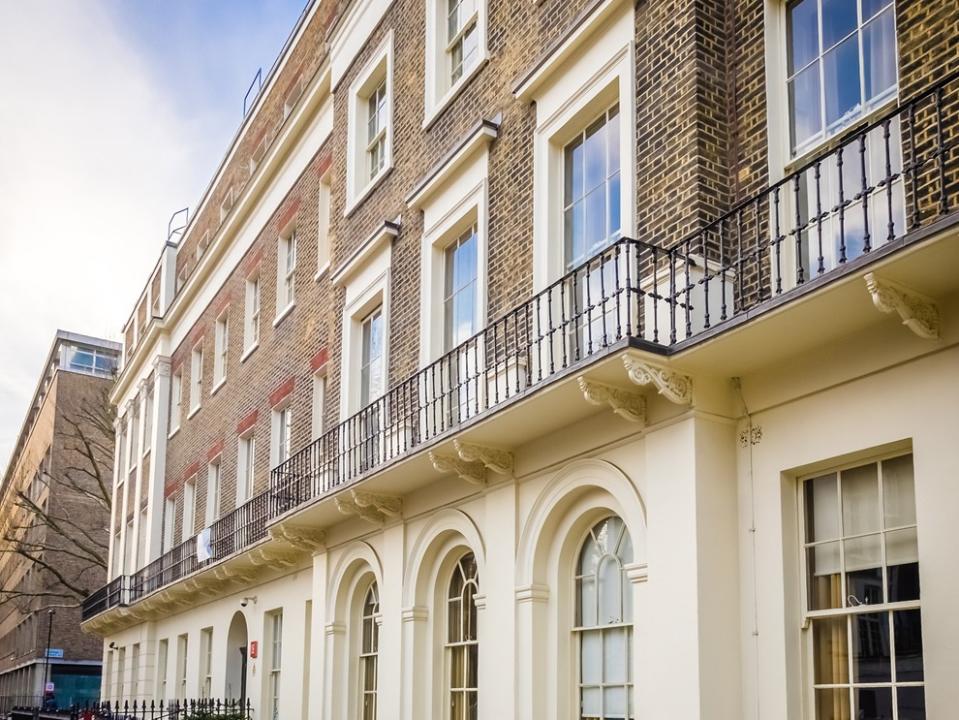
pixel 876 194
pixel 112 595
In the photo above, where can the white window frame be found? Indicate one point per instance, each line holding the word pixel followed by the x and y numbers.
pixel 570 92
pixel 285 274
pixel 246 466
pixel 451 646
pixel 377 71
pixel 323 222
pixel 206 655
pixel 196 379
pixel 147 406
pixel 251 315
pixel 221 350
pixel 441 88
pixel 135 671
pixel 169 522
pixel 274 665
pixel 370 288
pixel 214 477
pixel 849 612
pixel 878 104
pixel 188 522
pixel 163 661
pixel 460 201
pixel 183 648
pixel 176 400
pixel 369 623
pixel 281 436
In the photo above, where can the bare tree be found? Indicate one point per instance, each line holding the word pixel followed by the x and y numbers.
pixel 59 525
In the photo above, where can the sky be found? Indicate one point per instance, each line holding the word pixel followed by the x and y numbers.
pixel 113 114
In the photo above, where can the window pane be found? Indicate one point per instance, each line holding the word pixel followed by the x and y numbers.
pixel 870 647
pixel 592 702
pixel 587 602
pixel 615 656
pixel 898 492
pixel 838 20
pixel 595 151
pixel 832 704
pixel 805 120
pixel 591 657
pixel 825 588
pixel 907 625
pixel 610 592
pixel 595 218
pixel 575 231
pixel 830 652
pixel 822 509
pixel 841 78
pixel 863 558
pixel 802 40
pixel 871 7
pixel 873 703
pixel 902 565
pixel 573 166
pixel 879 54
pixel 457 667
pixel 614 211
pixel 860 500
pixel 615 703
pixel 912 703
pixel 472 657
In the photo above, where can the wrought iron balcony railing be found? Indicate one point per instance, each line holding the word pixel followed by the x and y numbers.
pixel 114 594
pixel 867 194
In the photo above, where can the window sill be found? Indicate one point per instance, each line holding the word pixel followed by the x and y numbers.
pixel 432 114
pixel 283 313
pixel 249 351
pixel 173 432
pixel 322 271
pixel 358 199
pixel 193 412
pixel 216 387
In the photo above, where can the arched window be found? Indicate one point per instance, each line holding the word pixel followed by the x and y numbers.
pixel 369 649
pixel 462 644
pixel 604 616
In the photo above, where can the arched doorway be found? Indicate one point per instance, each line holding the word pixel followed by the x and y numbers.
pixel 236 659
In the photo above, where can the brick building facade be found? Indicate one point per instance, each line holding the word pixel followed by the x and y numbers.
pixel 295 368
pixel 49 561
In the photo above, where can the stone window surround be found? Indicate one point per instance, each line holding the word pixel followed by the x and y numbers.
pixel 593 70
pixel 379 66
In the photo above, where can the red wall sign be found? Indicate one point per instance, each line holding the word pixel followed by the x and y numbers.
pixel 254 646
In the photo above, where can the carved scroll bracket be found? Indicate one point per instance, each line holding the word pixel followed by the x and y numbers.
pixel 628 404
pixel 919 313
pixel 372 507
pixel 673 386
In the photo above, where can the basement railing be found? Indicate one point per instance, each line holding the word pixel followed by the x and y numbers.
pixel 864 196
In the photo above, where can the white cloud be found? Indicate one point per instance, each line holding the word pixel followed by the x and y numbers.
pixel 94 159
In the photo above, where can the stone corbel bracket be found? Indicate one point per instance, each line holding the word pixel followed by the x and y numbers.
pixel 674 386
pixel 919 313
pixel 372 507
pixel 472 472
pixel 628 404
pixel 499 461
pixel 299 537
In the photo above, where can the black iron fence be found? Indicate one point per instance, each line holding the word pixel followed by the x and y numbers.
pixel 206 709
pixel 866 194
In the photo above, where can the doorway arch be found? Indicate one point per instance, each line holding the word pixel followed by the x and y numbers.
pixel 236 645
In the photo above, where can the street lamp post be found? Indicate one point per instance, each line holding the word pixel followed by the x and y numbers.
pixel 46 669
